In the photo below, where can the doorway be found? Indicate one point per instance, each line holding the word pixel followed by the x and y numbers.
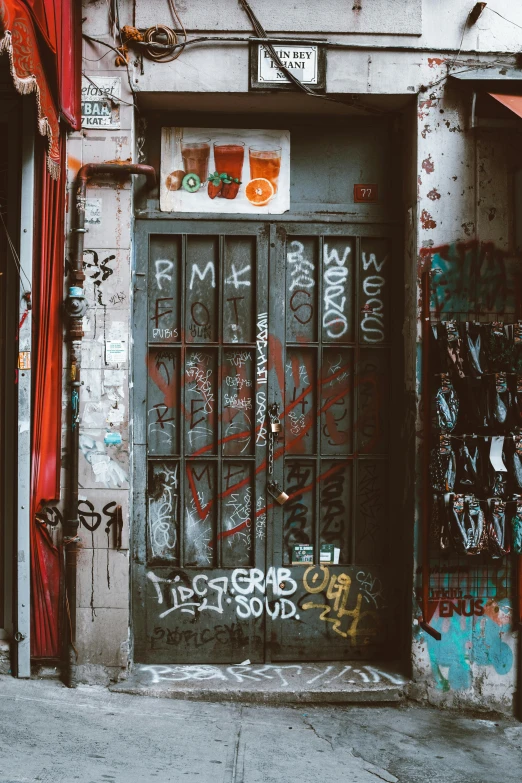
pixel 242 328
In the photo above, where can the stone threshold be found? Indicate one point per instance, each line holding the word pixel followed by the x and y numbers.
pixel 277 683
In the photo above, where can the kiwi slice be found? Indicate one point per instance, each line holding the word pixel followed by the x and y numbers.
pixel 191 183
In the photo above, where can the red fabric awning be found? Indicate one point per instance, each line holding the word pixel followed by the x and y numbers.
pixel 69 53
pixel 18 39
pixel 44 14
pixel 57 24
pixel 512 102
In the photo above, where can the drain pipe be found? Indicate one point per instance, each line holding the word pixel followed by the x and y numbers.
pixel 76 308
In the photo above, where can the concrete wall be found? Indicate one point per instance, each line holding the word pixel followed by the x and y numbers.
pixel 463 181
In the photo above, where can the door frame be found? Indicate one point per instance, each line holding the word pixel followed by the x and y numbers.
pixel 164 224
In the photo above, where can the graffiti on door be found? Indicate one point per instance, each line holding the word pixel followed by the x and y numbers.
pixel 217 359
pixel 348 599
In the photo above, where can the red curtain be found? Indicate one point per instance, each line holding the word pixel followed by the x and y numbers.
pixel 43 41
pixel 47 408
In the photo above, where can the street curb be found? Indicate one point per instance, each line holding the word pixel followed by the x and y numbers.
pixel 381 695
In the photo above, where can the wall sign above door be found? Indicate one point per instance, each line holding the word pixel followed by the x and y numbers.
pixel 306 61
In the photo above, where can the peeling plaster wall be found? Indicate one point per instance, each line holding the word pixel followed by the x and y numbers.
pixel 465 194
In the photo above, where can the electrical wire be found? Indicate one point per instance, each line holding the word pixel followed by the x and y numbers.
pixel 461 40
pixel 118 53
pixel 503 17
pixel 177 18
pixel 167 53
pixel 114 18
pixel 261 32
pixel 311 41
pixel 19 269
pixel 110 95
pixel 483 67
pixel 93 59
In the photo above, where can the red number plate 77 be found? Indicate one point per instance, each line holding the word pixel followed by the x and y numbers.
pixel 365 193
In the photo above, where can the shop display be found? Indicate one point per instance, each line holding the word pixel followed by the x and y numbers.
pixel 476 459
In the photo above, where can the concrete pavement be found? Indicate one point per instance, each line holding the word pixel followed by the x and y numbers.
pixel 49 733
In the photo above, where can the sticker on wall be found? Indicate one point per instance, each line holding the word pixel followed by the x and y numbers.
pixel 93 211
pixel 225 171
pixel 112 439
pixel 100 102
pixel 115 351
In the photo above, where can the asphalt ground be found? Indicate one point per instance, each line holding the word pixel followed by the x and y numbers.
pixel 52 734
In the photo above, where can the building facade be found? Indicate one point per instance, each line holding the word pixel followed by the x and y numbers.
pixel 280 328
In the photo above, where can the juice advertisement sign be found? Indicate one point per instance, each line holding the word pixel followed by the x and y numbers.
pixel 225 170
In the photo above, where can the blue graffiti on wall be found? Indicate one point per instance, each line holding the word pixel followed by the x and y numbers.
pixel 467 641
pixel 471 276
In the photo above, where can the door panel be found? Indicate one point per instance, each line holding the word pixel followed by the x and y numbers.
pixel 235 317
pixel 336 349
pixel 203 452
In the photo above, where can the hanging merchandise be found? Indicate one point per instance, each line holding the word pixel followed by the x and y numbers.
pixel 443 466
pixel 499 402
pixel 513 460
pixel 499 349
pixel 454 348
pixel 496 484
pixel 466 524
pixel 446 405
pixel 469 470
pixel 473 393
pixel 476 461
pixel 473 349
pixel 496 528
pixel 516 400
pixel 516 524
pixel 517 346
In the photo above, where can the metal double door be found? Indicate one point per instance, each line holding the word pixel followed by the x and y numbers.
pixel 242 329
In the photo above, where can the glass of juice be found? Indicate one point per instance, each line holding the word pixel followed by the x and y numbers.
pixel 195 156
pixel 265 162
pixel 228 158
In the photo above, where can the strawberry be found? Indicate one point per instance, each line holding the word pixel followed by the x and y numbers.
pixel 215 183
pixel 230 188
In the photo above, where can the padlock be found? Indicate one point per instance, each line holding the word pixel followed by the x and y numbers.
pixel 278 494
pixel 275 425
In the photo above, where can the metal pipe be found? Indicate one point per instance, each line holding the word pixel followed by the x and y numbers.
pixel 76 307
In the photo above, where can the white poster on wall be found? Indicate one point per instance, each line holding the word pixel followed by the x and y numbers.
pixel 225 171
pixel 101 102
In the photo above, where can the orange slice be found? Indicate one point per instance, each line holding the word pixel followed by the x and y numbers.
pixel 259 191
